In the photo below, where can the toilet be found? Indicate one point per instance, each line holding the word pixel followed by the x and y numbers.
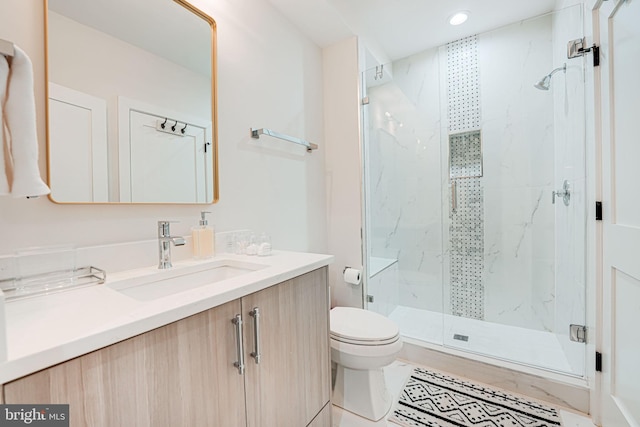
pixel 362 343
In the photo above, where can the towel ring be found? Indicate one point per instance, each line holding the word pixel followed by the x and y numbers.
pixel 163 123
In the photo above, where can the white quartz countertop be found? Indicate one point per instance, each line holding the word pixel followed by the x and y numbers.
pixel 46 330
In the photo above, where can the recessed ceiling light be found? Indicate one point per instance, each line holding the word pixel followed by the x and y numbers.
pixel 459 18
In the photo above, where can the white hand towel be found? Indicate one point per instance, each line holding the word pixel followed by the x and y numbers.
pixel 20 120
pixel 4 76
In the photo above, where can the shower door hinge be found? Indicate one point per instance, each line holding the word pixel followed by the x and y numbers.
pixel 578 47
pixel 598 211
pixel 365 100
pixel 369 298
pixel 578 333
pixel 598 361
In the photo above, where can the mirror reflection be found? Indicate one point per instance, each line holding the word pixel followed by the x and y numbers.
pixel 131 102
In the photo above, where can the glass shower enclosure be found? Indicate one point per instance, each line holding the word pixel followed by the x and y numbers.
pixel 474 183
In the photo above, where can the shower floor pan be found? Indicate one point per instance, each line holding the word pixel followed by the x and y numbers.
pixel 530 347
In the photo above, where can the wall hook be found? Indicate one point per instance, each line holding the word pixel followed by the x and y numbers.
pixel 379 72
pixel 173 128
pixel 183 129
pixel 163 123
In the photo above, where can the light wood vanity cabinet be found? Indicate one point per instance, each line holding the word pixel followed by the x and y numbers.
pixel 291 384
pixel 183 374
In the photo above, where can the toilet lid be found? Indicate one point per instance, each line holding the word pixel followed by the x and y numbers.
pixel 357 325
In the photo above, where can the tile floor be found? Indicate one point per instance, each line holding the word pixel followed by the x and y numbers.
pixel 396 374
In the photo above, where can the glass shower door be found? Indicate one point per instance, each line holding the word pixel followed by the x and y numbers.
pixel 466 146
pixel 403 213
pixel 515 276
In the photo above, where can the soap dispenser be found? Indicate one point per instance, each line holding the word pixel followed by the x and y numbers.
pixel 203 238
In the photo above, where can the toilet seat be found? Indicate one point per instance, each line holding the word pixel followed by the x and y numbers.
pixel 361 327
pixel 365 342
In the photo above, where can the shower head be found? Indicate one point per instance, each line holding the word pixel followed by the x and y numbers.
pixel 545 82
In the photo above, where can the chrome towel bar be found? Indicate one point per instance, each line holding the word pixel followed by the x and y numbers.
pixel 255 133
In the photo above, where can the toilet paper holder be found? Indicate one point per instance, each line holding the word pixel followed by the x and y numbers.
pixel 352 275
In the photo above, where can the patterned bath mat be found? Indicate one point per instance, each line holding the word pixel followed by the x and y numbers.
pixel 436 400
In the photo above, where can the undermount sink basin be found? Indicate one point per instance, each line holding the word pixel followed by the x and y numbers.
pixel 173 281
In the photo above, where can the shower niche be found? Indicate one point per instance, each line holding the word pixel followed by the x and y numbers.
pixel 465 155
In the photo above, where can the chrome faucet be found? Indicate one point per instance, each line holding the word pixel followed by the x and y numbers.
pixel 164 244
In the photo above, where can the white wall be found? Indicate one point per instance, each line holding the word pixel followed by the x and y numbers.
pixel 344 174
pixel 119 68
pixel 269 75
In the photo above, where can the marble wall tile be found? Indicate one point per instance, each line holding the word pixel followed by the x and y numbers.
pixel 420 283
pixel 519 157
pixel 512 59
pixel 518 255
pixel 405 176
pixel 418 77
pixel 383 287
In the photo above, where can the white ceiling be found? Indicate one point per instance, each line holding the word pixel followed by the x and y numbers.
pixel 394 29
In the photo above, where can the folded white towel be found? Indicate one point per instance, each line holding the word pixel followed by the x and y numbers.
pixel 20 121
pixel 4 76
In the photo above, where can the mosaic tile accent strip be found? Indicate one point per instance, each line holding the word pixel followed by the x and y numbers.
pixel 466 237
pixel 465 155
pixel 466 230
pixel 463 84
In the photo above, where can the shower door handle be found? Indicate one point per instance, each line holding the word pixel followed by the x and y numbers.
pixel 454 196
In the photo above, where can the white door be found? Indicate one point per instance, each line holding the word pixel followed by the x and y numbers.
pixel 619 29
pixel 78 164
pixel 166 168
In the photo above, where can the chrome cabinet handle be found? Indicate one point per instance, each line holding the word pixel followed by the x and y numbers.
pixel 255 313
pixel 237 321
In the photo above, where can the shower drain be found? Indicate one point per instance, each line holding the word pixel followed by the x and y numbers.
pixel 461 337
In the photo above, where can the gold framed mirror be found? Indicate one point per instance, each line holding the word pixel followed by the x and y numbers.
pixel 131 112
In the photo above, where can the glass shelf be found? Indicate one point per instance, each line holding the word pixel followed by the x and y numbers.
pixel 51 282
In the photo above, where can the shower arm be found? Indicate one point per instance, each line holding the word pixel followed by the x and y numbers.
pixel 563 68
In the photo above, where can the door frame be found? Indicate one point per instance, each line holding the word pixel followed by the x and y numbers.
pixel 603 403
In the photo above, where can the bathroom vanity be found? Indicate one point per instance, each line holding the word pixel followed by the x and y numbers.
pixel 197 357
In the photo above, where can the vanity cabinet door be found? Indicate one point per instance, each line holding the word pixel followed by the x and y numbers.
pixel 291 384
pixel 323 419
pixel 181 374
